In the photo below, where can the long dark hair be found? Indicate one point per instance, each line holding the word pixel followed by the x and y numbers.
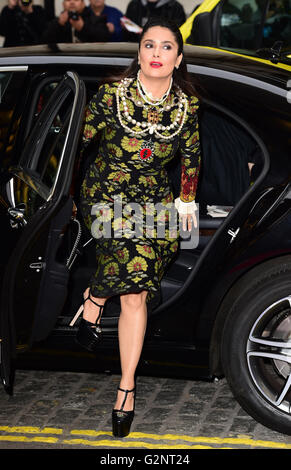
pixel 181 76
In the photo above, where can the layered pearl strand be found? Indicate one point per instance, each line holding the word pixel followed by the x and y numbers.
pixel 148 126
pixel 146 96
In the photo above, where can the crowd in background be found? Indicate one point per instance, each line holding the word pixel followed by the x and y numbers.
pixel 23 23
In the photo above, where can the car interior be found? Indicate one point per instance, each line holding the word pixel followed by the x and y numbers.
pixel 231 161
pixel 247 25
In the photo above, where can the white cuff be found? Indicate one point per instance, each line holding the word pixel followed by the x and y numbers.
pixel 185 207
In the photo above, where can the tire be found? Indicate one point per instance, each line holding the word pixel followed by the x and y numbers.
pixel 256 344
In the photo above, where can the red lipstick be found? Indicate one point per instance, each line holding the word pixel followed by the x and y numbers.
pixel 155 64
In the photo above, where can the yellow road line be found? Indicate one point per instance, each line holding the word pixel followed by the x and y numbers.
pixel 177 437
pixel 91 432
pixel 31 430
pixel 47 440
pixel 135 439
pixel 214 440
pixel 131 444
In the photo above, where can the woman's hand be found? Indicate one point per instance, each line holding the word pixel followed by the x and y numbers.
pixel 187 213
pixel 188 220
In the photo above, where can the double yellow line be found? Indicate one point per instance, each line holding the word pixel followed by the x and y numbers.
pixel 87 437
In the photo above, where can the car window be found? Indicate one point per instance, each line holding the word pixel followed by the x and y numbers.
pixel 43 150
pixel 241 23
pixel 45 164
pixel 42 96
pixel 278 23
pixel 231 159
pixel 11 91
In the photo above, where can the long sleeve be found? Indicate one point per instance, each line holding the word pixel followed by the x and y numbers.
pixel 20 28
pixel 95 114
pixel 37 21
pixel 190 153
pixel 94 29
pixel 55 32
pixel 134 12
pixel 7 20
pixel 179 14
pixel 113 16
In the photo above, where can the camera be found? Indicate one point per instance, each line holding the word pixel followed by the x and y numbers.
pixel 25 3
pixel 73 15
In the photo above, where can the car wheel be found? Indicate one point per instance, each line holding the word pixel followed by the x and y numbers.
pixel 256 344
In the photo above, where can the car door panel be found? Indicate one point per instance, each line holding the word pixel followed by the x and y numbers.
pixel 39 207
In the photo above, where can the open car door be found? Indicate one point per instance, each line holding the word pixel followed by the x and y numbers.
pixel 38 207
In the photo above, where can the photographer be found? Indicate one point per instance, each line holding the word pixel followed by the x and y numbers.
pixel 77 23
pixel 113 16
pixel 22 23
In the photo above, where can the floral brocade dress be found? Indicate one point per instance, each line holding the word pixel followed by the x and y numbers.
pixel 128 181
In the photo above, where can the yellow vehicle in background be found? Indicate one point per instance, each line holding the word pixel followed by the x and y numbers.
pixel 242 26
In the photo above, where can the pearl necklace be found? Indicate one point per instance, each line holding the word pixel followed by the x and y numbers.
pixel 146 96
pixel 148 126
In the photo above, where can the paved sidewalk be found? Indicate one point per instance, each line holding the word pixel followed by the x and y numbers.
pixel 61 410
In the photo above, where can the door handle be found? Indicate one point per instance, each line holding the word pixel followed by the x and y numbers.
pixel 233 233
pixel 38 266
pixel 17 216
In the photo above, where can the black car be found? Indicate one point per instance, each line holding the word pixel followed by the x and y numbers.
pixel 226 298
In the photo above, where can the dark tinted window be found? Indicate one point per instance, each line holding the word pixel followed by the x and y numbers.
pixel 250 24
pixel 241 23
pixel 11 92
pixel 278 23
pixel 42 161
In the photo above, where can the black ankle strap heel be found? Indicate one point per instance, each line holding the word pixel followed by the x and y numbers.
pixel 121 420
pixel 126 393
pixel 89 334
pixel 101 307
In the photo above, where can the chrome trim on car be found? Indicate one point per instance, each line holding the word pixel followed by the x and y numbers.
pixel 240 78
pixel 39 60
pixel 74 77
pixel 14 68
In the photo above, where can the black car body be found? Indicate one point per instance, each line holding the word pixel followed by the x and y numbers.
pixel 226 301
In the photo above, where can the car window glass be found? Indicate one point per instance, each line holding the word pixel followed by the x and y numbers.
pixel 241 23
pixel 42 97
pixel 10 93
pixel 231 160
pixel 25 198
pixel 43 164
pixel 278 23
pixel 47 163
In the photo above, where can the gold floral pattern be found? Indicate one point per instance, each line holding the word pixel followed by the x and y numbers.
pixel 131 144
pixel 127 262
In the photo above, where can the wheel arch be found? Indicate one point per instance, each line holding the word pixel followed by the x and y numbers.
pixel 235 291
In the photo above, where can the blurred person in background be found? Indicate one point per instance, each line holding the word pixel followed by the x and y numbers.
pixel 139 11
pixel 22 23
pixel 77 23
pixel 112 15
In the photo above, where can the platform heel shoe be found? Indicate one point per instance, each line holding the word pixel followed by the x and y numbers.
pixel 89 334
pixel 121 420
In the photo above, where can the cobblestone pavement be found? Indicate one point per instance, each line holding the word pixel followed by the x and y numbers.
pixel 61 410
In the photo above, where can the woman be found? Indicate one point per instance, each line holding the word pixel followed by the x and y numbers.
pixel 144 119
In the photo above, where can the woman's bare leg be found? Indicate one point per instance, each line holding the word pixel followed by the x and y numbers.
pixel 91 311
pixel 131 331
